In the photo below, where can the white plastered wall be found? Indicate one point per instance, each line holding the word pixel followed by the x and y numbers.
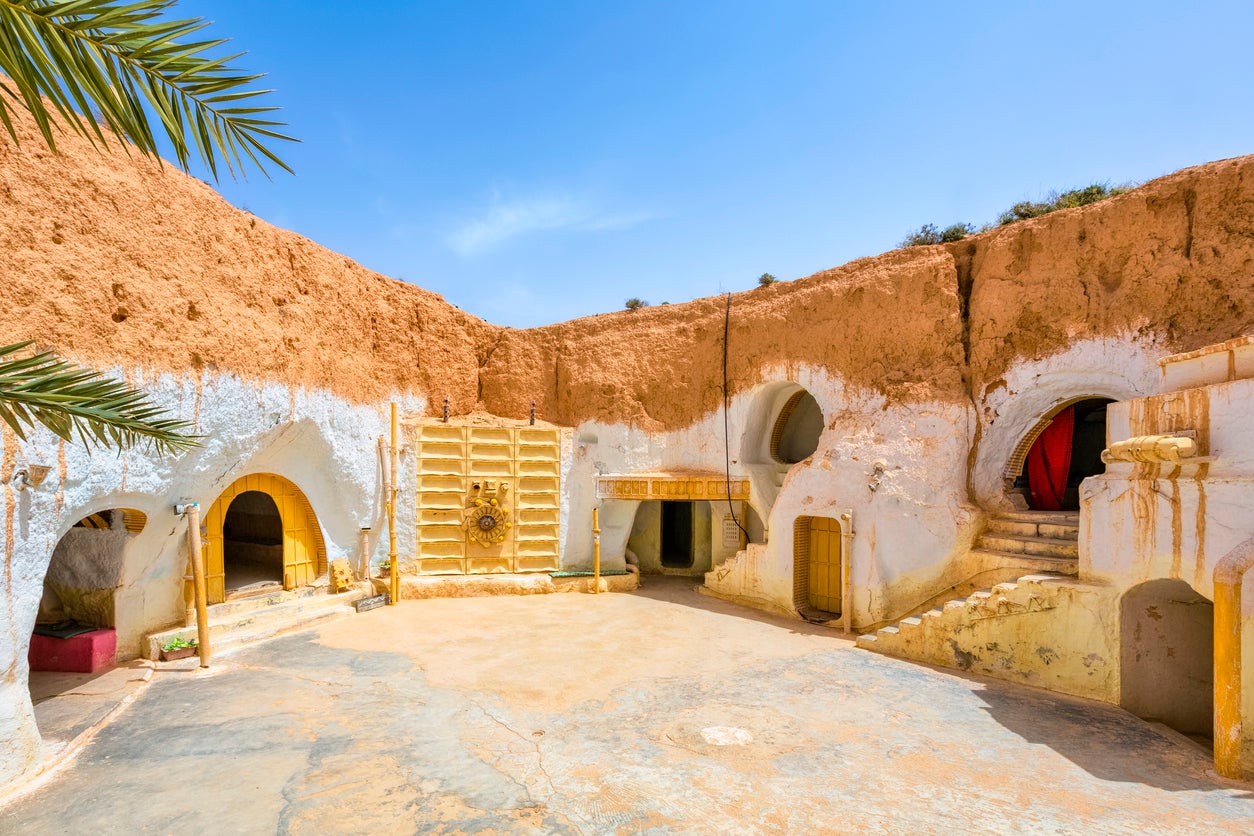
pixel 1118 368
pixel 323 444
pixel 906 531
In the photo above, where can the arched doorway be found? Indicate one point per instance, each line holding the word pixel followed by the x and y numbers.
pixel 252 543
pixel 245 534
pixel 818 568
pixel 1061 451
pixel 73 640
pixel 1166 670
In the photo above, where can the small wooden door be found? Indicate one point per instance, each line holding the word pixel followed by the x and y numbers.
pixel 825 564
pixel 303 557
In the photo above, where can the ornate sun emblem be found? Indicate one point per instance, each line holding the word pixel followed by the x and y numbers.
pixel 485 519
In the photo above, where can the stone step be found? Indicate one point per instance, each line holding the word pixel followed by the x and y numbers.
pixel 265 600
pixel 1054 564
pixel 268 628
pixel 1023 594
pixel 1058 527
pixel 231 627
pixel 1020 544
pixel 1054 517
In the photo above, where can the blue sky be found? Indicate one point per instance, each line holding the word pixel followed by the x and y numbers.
pixel 538 161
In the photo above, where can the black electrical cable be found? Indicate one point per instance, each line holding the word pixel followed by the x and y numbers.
pixel 726 430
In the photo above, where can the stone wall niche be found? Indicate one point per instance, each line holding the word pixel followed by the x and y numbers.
pixel 1167 656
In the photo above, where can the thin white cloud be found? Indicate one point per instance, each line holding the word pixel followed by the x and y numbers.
pixel 505 220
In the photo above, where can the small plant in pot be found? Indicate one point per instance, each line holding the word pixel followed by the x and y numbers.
pixel 385 568
pixel 178 649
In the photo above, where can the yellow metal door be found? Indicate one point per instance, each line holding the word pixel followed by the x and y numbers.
pixel 302 542
pixel 300 552
pixel 825 568
pixel 211 549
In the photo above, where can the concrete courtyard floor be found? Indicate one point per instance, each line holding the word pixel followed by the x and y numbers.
pixel 659 711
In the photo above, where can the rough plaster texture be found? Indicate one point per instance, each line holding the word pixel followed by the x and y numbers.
pixel 1166 672
pixel 932 360
pixel 84 571
pixel 324 444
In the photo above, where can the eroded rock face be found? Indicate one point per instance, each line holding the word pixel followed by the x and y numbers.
pixel 118 260
pixel 928 365
pixel 121 260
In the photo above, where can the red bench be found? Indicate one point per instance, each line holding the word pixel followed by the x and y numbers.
pixel 84 653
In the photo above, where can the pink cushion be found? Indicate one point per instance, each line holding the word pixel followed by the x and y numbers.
pixel 85 653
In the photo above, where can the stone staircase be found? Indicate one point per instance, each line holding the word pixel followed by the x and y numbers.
pixel 1034 540
pixel 954 635
pixel 1020 631
pixel 1037 553
pixel 245 620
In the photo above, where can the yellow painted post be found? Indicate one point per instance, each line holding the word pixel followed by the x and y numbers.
pixel 846 542
pixel 1230 738
pixel 596 553
pixel 1228 731
pixel 198 583
pixel 395 570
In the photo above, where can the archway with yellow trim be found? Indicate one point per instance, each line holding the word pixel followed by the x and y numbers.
pixel 304 555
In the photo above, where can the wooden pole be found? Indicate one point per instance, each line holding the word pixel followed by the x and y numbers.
pixel 395 570
pixel 364 545
pixel 596 553
pixel 846 558
pixel 198 583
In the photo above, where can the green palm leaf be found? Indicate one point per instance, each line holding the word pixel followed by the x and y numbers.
pixel 42 388
pixel 123 60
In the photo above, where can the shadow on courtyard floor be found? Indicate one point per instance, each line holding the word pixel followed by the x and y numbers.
pixel 1103 740
pixel 675 589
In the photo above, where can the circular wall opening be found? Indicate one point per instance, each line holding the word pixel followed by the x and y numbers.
pixel 797 429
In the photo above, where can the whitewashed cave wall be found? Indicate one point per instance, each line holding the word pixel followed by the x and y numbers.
pixel 323 444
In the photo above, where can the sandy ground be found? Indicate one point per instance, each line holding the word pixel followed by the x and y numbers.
pixel 660 711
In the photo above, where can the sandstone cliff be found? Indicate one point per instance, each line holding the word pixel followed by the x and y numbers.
pixel 117 259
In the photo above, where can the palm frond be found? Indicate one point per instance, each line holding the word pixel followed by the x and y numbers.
pixel 42 388
pixel 114 61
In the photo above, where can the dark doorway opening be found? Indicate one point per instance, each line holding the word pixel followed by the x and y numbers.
pixel 252 542
pixel 1167 669
pixel 676 535
pixel 1068 451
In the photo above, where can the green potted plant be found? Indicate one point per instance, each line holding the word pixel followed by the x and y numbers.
pixel 178 648
pixel 385 568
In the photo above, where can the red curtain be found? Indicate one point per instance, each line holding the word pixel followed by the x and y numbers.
pixel 1049 461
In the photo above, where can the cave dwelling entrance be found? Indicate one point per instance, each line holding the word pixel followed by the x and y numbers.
pixel 1062 450
pixel 818 568
pixel 261 535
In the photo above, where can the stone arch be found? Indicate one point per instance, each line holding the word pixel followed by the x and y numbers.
pixel 1015 465
pixel 86 566
pixel 303 549
pixel 1166 670
pixel 784 424
pixel 1009 431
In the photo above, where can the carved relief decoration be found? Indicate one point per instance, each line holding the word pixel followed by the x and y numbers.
pixel 486 518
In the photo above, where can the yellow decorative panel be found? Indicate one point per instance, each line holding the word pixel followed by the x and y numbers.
pixel 543 516
pixel 495 506
pixel 679 487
